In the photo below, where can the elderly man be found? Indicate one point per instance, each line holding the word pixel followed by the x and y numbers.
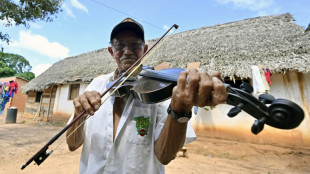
pixel 127 136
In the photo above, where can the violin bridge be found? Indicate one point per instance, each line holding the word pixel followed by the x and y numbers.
pixel 137 71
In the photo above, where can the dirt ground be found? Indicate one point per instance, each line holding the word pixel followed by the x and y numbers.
pixel 20 141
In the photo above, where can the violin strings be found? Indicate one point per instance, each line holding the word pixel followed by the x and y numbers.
pixel 159 74
pixel 118 86
pixel 245 98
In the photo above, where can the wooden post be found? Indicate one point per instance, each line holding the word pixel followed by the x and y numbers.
pixel 49 103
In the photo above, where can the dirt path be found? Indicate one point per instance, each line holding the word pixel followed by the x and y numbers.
pixel 18 142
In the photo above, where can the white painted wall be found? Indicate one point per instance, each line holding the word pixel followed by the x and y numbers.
pixel 62 104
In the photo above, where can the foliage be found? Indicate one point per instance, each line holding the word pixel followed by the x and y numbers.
pixel 5 70
pixel 14 65
pixel 26 75
pixel 27 11
pixel 17 62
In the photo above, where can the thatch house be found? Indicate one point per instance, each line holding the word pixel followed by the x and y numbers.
pixel 275 42
pixel 50 94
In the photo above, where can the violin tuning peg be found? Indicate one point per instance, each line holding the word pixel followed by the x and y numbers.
pixel 266 98
pixel 246 87
pixel 258 125
pixel 235 110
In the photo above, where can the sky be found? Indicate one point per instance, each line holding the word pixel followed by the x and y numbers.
pixel 85 25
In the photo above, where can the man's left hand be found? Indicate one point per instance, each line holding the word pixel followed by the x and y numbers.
pixel 197 89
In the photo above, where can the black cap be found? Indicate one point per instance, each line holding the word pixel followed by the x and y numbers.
pixel 128 23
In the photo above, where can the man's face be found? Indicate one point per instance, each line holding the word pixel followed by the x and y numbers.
pixel 126 48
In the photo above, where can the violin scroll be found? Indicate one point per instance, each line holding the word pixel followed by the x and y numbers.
pixel 281 113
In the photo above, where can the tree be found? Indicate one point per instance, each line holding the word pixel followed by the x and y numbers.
pixel 15 65
pixel 17 62
pixel 5 70
pixel 27 11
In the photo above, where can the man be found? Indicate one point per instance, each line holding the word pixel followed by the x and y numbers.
pixel 126 136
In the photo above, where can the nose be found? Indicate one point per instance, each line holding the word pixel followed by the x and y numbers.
pixel 127 50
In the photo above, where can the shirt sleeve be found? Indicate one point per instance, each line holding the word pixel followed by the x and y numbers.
pixel 190 133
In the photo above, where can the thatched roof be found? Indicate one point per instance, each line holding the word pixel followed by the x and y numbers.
pixel 275 42
pixel 80 68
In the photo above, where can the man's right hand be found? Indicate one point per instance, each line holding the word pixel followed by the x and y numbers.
pixel 88 101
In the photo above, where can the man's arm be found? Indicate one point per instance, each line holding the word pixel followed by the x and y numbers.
pixel 90 102
pixel 193 89
pixel 170 140
pixel 75 136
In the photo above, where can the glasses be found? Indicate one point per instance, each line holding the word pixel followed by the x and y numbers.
pixel 134 45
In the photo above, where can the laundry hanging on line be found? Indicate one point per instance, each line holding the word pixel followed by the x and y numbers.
pixel 7 91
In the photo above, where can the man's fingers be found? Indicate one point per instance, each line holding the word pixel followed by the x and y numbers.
pixel 219 95
pixel 94 99
pixel 86 104
pixel 89 101
pixel 78 106
pixel 198 89
pixel 182 80
pixel 218 75
pixel 205 90
pixel 98 99
pixel 193 84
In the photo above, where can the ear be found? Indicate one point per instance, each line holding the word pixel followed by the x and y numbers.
pixel 145 48
pixel 110 51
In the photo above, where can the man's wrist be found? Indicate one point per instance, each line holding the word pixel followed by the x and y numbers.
pixel 179 117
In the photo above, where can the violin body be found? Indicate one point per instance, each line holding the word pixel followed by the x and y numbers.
pixel 148 90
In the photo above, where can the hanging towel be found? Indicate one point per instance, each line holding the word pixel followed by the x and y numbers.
pixel 258 84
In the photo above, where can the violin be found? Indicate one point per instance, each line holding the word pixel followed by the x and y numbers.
pixel 155 86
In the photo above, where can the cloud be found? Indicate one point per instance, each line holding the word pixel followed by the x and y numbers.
pixel 37 70
pixel 67 7
pixel 40 44
pixel 78 5
pixel 7 22
pixel 166 27
pixel 36 26
pixel 67 10
pixel 254 5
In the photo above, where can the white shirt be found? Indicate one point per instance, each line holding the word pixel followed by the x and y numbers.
pixel 133 148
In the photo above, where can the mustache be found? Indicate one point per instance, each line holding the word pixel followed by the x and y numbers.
pixel 128 57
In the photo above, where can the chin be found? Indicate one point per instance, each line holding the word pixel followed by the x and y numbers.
pixel 126 67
